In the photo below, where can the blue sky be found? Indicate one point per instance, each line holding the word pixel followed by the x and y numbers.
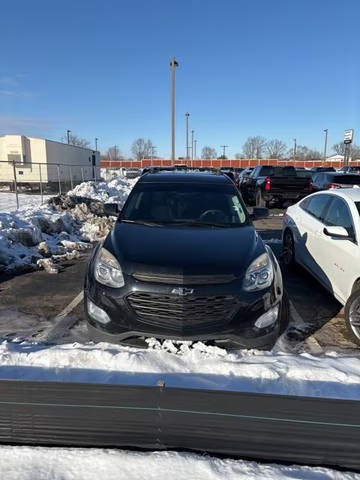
pixel 277 68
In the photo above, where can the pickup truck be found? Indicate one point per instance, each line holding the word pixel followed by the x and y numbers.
pixel 267 183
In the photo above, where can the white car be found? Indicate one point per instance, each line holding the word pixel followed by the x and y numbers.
pixel 322 233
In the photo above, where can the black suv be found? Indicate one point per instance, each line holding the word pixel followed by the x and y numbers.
pixel 184 261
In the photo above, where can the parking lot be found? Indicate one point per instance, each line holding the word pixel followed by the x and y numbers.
pixel 49 308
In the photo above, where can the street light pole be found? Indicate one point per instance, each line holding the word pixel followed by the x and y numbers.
pixel 294 149
pixel 192 147
pixel 173 64
pixel 68 136
pixel 325 146
pixel 195 142
pixel 187 115
pixel 96 144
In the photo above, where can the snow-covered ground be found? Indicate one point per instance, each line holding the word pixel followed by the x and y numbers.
pixel 36 463
pixel 8 201
pixel 185 365
pixel 39 236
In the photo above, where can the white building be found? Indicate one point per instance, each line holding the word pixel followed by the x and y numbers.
pixel 38 159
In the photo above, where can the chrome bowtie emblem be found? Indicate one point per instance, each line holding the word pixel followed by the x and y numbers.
pixel 182 291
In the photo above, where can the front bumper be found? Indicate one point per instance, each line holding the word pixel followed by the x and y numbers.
pixel 236 327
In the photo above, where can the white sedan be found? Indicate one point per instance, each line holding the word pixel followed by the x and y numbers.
pixel 322 233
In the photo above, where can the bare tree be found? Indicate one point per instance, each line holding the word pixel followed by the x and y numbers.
pixel 239 156
pixel 339 149
pixel 275 148
pixel 254 147
pixel 76 141
pixel 208 153
pixel 141 148
pixel 114 153
pixel 305 153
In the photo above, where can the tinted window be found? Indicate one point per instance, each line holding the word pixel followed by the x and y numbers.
pixel 173 203
pixel 316 205
pixel 346 179
pixel 338 215
pixel 266 171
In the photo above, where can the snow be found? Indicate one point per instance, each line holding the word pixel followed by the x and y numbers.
pixel 8 201
pixel 40 463
pixel 33 236
pixel 115 190
pixel 183 364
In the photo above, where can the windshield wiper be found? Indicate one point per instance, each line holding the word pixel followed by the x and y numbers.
pixel 199 224
pixel 143 222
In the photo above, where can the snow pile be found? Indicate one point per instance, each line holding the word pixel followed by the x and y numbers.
pixel 182 364
pixel 34 237
pixel 28 237
pixel 115 190
pixel 28 463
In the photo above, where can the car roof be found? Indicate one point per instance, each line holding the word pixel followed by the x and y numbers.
pixel 178 176
pixel 347 193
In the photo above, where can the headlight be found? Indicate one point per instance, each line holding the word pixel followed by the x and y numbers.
pixel 259 275
pixel 107 270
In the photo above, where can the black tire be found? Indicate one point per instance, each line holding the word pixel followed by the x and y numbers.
pixel 259 200
pixel 288 250
pixel 352 316
pixel 284 312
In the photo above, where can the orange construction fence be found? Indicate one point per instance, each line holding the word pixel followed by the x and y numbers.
pixel 243 163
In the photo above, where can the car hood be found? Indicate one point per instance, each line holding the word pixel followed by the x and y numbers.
pixel 184 250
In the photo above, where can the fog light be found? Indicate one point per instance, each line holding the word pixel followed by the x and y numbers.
pixel 97 313
pixel 268 318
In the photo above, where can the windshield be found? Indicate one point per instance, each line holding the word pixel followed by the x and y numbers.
pixel 189 203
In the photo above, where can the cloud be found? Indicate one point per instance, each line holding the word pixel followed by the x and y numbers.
pixel 8 93
pixel 30 125
pixel 14 93
pixel 8 81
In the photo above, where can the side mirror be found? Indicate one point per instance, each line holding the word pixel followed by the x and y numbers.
pixel 336 232
pixel 259 212
pixel 111 209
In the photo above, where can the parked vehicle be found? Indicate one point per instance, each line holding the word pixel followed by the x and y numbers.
pixel 349 169
pixel 322 233
pixel 328 180
pixel 323 169
pixel 132 172
pixel 302 172
pixel 267 183
pixel 183 261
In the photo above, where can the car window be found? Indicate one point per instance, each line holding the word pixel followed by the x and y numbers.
pixel 350 179
pixel 174 203
pixel 267 171
pixel 338 215
pixel 317 204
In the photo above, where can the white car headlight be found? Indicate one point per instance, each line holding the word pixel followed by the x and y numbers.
pixel 259 275
pixel 107 270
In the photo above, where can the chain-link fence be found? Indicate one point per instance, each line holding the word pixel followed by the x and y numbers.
pixel 19 178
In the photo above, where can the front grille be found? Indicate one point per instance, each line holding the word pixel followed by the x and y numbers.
pixel 181 313
pixel 178 279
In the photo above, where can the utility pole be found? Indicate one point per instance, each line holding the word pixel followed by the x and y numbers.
pixel 295 149
pixel 187 115
pixel 192 147
pixel 152 151
pixel 173 64
pixel 223 147
pixel 96 144
pixel 325 146
pixel 68 136
pixel 195 142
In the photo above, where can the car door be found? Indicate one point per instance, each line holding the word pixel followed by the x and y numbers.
pixel 310 228
pixel 343 254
